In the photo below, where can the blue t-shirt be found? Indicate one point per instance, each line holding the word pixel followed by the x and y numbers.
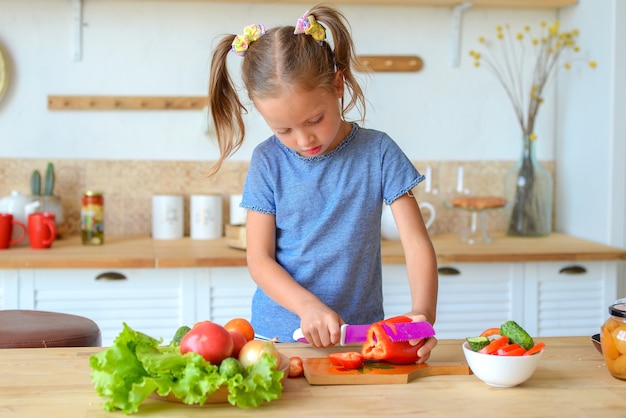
pixel 328 211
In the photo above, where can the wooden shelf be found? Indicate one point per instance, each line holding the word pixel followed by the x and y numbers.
pixel 391 63
pixel 519 4
pixel 126 102
pixel 377 63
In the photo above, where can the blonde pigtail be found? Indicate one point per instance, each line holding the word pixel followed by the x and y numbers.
pixel 345 55
pixel 225 107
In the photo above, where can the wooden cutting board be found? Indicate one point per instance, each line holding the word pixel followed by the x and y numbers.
pixel 319 371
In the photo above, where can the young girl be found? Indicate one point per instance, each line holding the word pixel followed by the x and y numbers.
pixel 315 189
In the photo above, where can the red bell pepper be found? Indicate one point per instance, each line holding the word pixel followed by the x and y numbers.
pixel 379 346
pixel 494 345
pixel 348 360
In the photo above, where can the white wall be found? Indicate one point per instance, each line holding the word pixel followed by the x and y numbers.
pixel 440 113
pixel 591 144
pixel 163 48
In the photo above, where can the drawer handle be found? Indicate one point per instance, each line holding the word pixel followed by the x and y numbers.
pixel 573 270
pixel 448 271
pixel 110 276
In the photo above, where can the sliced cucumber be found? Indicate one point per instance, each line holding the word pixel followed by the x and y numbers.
pixel 477 343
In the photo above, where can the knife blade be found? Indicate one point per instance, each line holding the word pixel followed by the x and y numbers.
pixel 404 331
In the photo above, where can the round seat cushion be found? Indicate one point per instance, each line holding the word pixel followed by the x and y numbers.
pixel 41 329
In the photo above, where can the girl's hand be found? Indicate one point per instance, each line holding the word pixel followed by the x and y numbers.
pixel 429 344
pixel 321 326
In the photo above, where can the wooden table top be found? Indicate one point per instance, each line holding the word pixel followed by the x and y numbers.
pixel 571 380
pixel 143 252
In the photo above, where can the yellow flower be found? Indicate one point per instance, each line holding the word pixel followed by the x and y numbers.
pixel 525 91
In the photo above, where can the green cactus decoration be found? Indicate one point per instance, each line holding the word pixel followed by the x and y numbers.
pixel 35 183
pixel 49 180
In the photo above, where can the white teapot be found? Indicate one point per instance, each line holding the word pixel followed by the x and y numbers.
pixel 389 230
pixel 18 205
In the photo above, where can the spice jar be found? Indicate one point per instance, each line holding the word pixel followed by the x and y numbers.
pixel 92 218
pixel 613 340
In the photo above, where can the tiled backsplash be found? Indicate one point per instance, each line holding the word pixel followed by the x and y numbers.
pixel 129 185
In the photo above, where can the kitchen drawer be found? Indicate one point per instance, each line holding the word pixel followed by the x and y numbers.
pixel 565 299
pixel 472 296
pixel 153 301
pixel 476 296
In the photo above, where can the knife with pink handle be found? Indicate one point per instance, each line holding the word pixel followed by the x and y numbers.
pixel 402 331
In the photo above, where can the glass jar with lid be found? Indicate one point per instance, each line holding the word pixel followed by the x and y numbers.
pixel 613 339
pixel 92 218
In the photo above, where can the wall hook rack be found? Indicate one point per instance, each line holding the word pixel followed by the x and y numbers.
pixel 126 102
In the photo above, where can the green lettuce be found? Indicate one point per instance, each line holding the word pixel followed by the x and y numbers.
pixel 136 365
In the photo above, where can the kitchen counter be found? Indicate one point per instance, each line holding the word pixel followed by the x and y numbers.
pixel 143 252
pixel 571 380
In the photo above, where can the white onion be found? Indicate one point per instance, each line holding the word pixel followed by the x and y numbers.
pixel 252 352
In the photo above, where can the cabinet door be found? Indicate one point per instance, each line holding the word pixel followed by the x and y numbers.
pixel 231 294
pixel 8 289
pixel 472 296
pixel 153 301
pixel 569 298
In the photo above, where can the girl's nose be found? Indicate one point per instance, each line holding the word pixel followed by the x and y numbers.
pixel 305 139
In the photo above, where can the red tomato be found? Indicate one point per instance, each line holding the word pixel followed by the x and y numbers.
pixel 210 340
pixel 239 340
pixel 349 360
pixel 295 367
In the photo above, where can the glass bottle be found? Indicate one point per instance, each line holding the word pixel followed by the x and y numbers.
pixel 528 188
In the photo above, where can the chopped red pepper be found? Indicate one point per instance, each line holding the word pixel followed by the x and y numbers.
pixel 379 346
pixel 508 347
pixel 494 345
pixel 535 349
pixel 349 360
pixel 515 352
pixel 490 331
pixel 511 350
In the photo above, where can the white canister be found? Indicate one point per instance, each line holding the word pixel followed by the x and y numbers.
pixel 205 216
pixel 237 214
pixel 167 217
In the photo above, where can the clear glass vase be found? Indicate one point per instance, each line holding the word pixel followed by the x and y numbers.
pixel 528 189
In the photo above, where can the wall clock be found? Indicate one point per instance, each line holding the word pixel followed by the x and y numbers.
pixel 4 72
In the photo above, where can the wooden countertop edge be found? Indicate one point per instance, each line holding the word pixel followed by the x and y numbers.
pixel 143 252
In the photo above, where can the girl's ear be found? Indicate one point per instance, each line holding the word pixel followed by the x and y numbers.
pixel 339 83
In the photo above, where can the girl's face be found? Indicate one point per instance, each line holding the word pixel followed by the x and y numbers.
pixel 308 122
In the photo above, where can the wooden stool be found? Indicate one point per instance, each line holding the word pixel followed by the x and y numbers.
pixel 41 329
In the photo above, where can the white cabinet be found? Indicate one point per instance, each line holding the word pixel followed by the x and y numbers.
pixel 153 301
pixel 546 298
pixel 230 294
pixel 472 296
pixel 568 298
pixel 8 289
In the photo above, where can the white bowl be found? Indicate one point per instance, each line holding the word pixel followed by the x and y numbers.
pixel 501 371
